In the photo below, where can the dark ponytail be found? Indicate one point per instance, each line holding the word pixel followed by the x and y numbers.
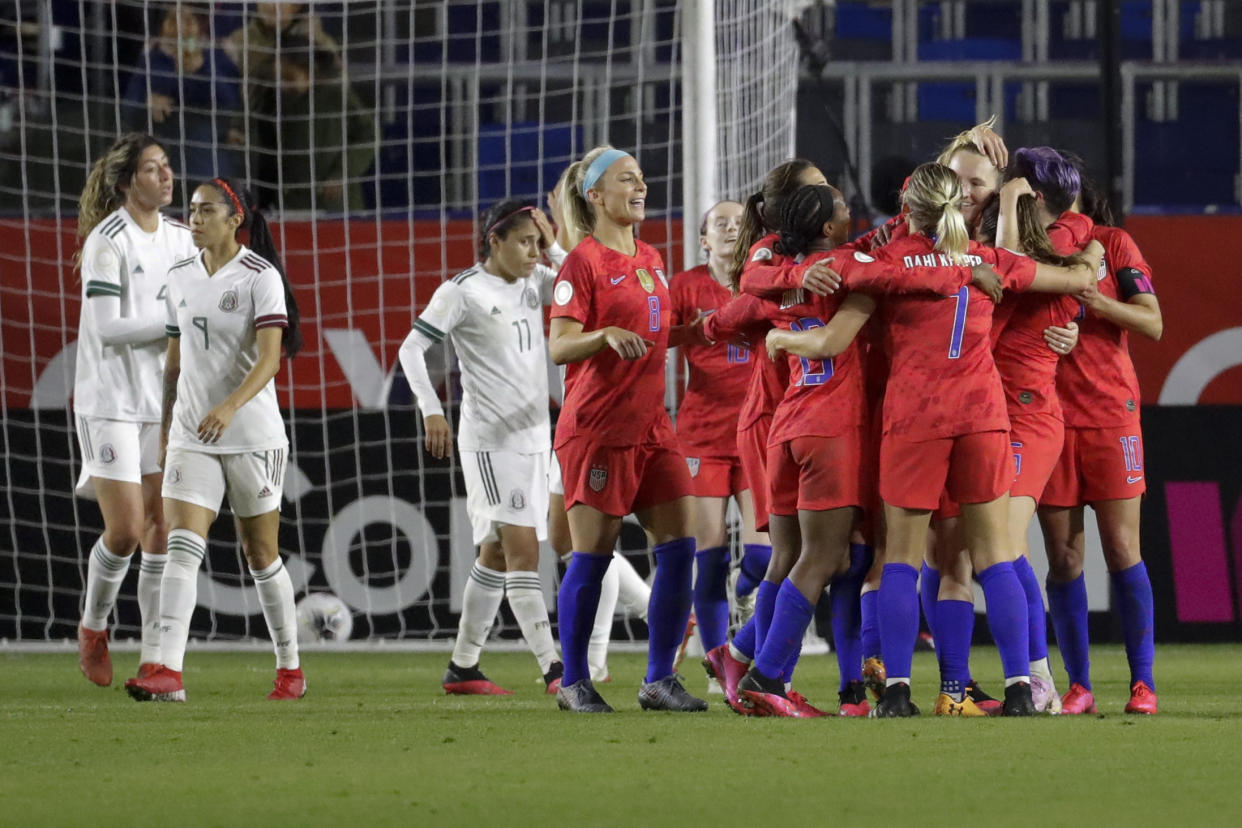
pixel 763 212
pixel 241 200
pixel 803 216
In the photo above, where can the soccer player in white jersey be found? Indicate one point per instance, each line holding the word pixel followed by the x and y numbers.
pixel 128 247
pixel 493 312
pixel 229 312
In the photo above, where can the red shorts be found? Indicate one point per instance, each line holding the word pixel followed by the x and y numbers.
pixel 1097 464
pixel 970 468
pixel 618 480
pixel 716 476
pixel 1036 440
pixel 752 450
pixel 816 473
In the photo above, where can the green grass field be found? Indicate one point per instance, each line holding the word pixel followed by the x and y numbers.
pixel 377 743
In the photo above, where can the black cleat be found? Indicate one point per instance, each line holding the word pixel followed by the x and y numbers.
pixel 896 703
pixel 470 681
pixel 580 697
pixel 552 678
pixel 854 693
pixel 668 694
pixel 1018 700
pixel 757 682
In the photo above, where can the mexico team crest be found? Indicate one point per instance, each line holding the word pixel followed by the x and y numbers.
pixel 530 297
pixel 598 478
pixel 517 500
pixel 228 301
pixel 107 453
pixel 644 279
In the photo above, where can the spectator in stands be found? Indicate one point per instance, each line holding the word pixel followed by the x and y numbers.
pixel 325 135
pixel 185 93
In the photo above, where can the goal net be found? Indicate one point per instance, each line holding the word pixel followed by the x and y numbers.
pixel 373 133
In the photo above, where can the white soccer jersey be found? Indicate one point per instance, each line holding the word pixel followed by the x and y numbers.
pixel 121 261
pixel 497 332
pixel 216 318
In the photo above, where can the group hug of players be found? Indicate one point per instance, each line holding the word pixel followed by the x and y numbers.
pixel 958 369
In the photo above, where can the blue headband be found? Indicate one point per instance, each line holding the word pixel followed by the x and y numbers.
pixel 599 166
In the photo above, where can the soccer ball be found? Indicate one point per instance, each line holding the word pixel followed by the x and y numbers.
pixel 323 617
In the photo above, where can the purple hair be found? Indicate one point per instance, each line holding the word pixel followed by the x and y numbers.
pixel 1049 174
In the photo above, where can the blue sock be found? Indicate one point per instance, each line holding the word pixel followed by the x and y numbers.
pixel 744 640
pixel 1135 605
pixel 790 618
pixel 899 617
pixel 669 607
pixel 1067 604
pixel 1007 617
pixel 1036 617
pixel 956 627
pixel 711 595
pixel 765 602
pixel 788 670
pixel 755 557
pixel 577 601
pixel 870 632
pixel 929 591
pixel 847 615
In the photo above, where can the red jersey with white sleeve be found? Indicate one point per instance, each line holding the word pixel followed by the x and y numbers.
pixel 1028 367
pixel 943 381
pixel 1097 383
pixel 609 400
pixel 718 374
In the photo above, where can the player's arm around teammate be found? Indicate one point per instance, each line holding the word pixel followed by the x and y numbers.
pixel 222 427
pixel 127 249
pixel 618 453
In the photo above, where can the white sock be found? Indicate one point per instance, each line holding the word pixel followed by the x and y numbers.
pixel 1012 680
pixel 480 601
pixel 279 611
pixel 633 593
pixel 738 654
pixel 1040 668
pixel 179 594
pixel 891 680
pixel 531 611
pixel 150 575
pixel 601 632
pixel 104 574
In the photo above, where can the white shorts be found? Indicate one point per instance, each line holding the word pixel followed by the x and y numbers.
pixel 115 450
pixel 253 480
pixel 555 485
pixel 505 488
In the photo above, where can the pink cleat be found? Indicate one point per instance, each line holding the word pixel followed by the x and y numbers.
pixel 1077 701
pixel 727 671
pixel 1142 699
pixel 290 684
pixel 162 685
pixel 804 709
pixel 853 701
pixel 93 658
pixel 470 681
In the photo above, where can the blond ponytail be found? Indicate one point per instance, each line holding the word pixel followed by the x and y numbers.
pixel 934 197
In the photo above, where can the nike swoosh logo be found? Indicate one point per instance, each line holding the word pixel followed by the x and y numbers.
pixel 1134 479
pixel 617 280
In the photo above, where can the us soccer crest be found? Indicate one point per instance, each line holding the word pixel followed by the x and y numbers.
pixel 644 279
pixel 599 475
pixel 693 463
pixel 228 301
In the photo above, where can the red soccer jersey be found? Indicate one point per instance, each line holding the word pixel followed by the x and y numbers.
pixel 943 381
pixel 718 374
pixel 824 398
pixel 746 317
pixel 1096 382
pixel 1028 367
pixel 612 401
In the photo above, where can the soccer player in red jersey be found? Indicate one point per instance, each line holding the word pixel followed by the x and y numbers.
pixel 945 426
pixel 611 325
pixel 1102 465
pixel 717 378
pixel 745 321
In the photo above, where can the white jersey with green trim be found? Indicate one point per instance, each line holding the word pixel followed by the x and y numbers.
pixel 216 318
pixel 497 331
pixel 124 270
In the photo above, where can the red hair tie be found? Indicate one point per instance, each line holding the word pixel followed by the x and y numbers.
pixel 228 191
pixel 506 218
